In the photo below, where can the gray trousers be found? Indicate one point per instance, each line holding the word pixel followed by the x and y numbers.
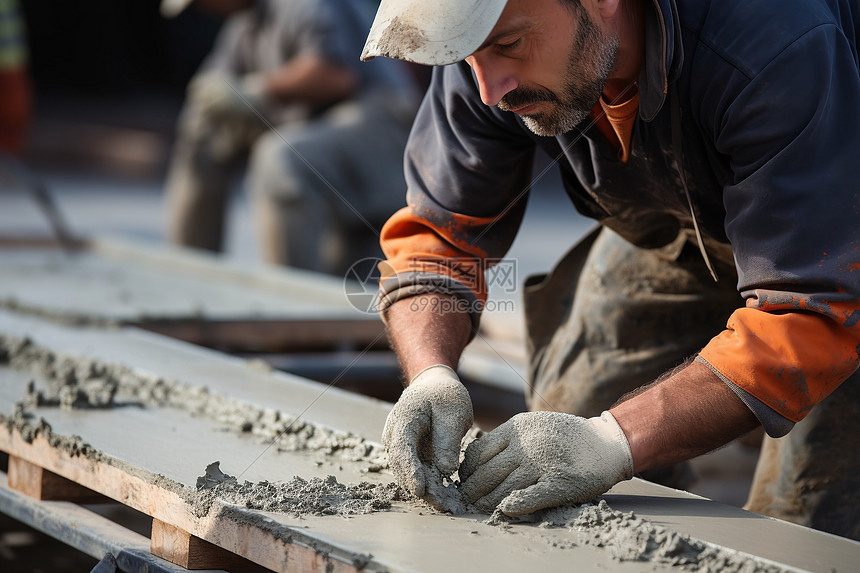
pixel 612 317
pixel 320 189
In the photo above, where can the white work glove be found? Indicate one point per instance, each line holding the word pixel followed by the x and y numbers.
pixel 424 429
pixel 219 94
pixel 537 460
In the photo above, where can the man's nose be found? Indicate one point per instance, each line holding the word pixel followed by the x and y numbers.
pixel 494 80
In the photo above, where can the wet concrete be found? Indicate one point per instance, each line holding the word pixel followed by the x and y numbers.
pixel 79 390
pixel 297 497
pixel 628 537
pixel 82 384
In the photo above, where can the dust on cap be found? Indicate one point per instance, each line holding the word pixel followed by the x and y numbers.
pixel 432 32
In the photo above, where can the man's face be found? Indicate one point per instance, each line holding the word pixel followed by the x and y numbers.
pixel 545 61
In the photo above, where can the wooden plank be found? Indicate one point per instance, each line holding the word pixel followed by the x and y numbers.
pixel 191 552
pixel 271 335
pixel 36 482
pixel 214 302
pixel 180 445
pixel 39 242
pixel 405 539
pixel 86 531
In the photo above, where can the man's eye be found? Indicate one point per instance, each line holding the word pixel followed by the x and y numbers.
pixel 509 45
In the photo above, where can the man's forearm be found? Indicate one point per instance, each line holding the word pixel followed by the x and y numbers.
pixel 688 414
pixel 427 330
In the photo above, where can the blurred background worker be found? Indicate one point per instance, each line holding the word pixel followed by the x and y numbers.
pixel 14 81
pixel 323 134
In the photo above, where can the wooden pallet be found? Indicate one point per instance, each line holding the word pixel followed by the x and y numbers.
pixel 85 530
pixel 52 504
pixel 178 536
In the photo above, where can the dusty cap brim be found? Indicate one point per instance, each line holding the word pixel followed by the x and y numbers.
pixel 431 32
pixel 172 8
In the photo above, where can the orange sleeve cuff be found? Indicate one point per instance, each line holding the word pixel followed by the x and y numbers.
pixel 789 360
pixel 413 244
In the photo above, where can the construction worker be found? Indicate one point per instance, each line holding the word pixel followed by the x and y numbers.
pixel 323 134
pixel 716 144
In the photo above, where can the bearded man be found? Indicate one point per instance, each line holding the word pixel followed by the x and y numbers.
pixel 715 144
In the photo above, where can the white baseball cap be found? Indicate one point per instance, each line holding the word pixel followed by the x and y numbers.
pixel 432 32
pixel 172 8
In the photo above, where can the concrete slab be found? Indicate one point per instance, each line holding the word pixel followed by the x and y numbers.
pixel 157 357
pixel 126 282
pixel 141 442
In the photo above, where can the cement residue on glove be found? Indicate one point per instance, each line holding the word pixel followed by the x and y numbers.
pixel 537 460
pixel 423 434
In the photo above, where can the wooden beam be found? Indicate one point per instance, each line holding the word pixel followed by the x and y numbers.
pixel 38 242
pixel 86 531
pixel 273 335
pixel 37 482
pixel 189 551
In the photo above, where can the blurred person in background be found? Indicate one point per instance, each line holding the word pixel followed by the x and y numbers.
pixel 14 79
pixel 322 133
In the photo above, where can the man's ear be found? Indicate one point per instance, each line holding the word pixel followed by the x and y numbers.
pixel 606 9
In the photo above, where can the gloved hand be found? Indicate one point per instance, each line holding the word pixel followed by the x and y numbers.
pixel 219 94
pixel 537 460
pixel 424 429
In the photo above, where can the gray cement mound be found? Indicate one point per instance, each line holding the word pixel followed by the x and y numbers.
pixel 298 496
pixel 631 538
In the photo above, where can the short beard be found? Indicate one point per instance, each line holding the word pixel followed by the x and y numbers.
pixel 589 63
